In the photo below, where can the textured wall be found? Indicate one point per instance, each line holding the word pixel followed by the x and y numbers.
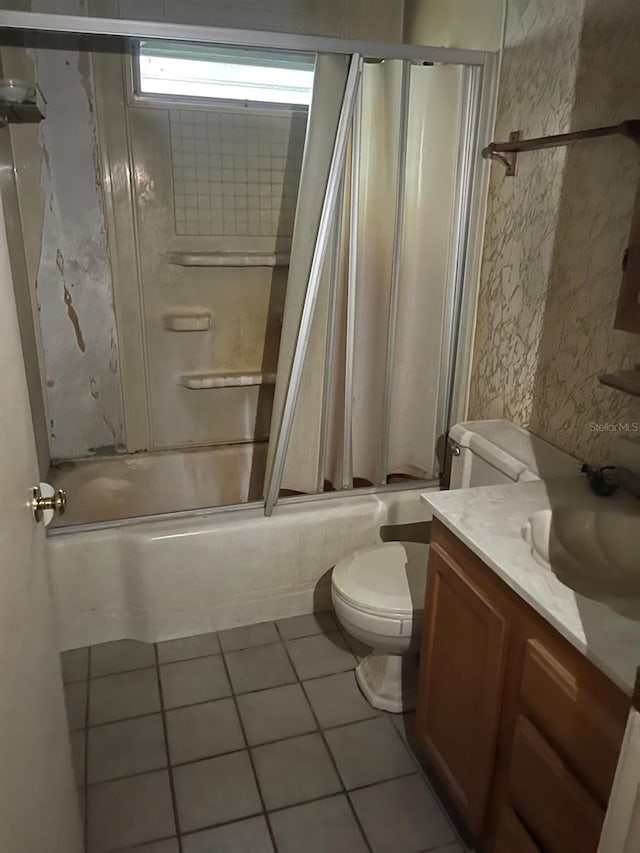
pixel 555 233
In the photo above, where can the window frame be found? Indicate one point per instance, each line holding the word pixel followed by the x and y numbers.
pixel 151 99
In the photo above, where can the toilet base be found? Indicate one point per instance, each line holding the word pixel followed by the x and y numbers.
pixel 389 681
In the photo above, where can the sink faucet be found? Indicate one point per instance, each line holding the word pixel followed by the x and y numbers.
pixel 606 481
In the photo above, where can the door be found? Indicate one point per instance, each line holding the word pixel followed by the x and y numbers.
pixel 214 238
pixel 38 803
pixel 462 669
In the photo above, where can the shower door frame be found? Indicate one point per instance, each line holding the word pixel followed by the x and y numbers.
pixel 470 201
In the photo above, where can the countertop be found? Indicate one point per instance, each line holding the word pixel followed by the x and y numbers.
pixel 490 520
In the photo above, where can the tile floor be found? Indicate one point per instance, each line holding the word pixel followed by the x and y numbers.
pixel 251 740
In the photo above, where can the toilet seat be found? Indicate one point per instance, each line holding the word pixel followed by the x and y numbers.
pixel 378 596
pixel 386 580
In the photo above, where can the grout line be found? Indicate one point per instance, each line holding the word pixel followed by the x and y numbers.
pixel 280 641
pixel 331 758
pixel 85 773
pixel 245 749
pixel 319 799
pixel 144 844
pixel 133 775
pixel 250 756
pixel 123 671
pixel 172 786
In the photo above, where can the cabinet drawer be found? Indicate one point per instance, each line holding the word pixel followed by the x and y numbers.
pixel 557 811
pixel 578 711
pixel 512 837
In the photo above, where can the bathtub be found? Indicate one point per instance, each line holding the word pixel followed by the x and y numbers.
pixel 172 577
pixel 141 484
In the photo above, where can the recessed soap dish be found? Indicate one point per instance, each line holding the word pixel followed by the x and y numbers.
pixel 188 321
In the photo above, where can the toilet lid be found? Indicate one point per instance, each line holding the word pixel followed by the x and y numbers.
pixel 386 578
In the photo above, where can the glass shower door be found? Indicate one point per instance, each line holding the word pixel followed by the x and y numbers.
pixel 364 380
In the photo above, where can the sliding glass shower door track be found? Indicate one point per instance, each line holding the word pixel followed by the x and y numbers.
pixel 204 512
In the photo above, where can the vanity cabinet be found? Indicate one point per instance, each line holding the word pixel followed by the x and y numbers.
pixel 521 729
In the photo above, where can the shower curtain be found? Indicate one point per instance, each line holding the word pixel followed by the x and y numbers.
pixel 432 147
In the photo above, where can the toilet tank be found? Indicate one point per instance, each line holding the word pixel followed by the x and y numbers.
pixel 488 453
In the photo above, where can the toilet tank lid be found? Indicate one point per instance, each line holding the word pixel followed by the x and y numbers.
pixel 513 450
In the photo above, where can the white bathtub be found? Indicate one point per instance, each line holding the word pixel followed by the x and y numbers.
pixel 168 578
pixel 139 484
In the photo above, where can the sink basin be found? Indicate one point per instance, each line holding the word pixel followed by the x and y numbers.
pixel 596 553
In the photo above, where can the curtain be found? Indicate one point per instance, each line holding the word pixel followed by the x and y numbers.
pixel 432 149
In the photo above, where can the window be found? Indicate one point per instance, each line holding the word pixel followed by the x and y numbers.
pixel 230 74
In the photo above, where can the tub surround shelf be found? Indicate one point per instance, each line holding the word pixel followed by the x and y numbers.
pixel 229 259
pixel 627 381
pixel 489 520
pixel 206 380
pixel 27 113
pixel 188 321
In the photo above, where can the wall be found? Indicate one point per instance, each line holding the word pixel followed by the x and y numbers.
pixel 25 303
pixel 60 195
pixel 470 24
pixel 556 233
pixel 373 20
pixel 236 172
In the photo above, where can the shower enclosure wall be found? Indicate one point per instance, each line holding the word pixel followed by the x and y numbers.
pixel 291 292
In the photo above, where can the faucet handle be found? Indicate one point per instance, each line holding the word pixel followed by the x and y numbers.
pixel 601 483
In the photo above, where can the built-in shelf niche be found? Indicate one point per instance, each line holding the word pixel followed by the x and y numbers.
pixel 188 321
pixel 26 113
pixel 229 259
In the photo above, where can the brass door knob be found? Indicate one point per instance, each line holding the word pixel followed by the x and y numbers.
pixel 57 502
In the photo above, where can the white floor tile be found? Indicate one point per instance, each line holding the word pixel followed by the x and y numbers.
pixel 248 636
pixel 401 816
pixel 259 668
pixel 121 656
pixel 218 790
pixel 190 681
pixel 274 714
pixel 203 731
pixel 369 752
pixel 324 826
pixel 295 770
pixel 323 654
pixel 127 747
pixel 128 694
pixel 130 811
pixel 245 836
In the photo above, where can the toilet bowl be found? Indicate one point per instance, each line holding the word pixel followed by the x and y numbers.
pixel 378 597
pixel 378 592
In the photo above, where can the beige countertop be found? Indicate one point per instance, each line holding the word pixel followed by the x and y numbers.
pixel 490 521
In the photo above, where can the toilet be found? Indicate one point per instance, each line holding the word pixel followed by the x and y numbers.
pixel 378 592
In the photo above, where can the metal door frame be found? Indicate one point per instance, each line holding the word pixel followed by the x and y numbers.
pixel 471 194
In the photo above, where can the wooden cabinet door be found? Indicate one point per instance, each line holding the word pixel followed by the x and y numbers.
pixel 461 679
pixel 555 808
pixel 512 837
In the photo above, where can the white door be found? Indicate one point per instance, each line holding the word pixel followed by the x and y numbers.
pixel 38 802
